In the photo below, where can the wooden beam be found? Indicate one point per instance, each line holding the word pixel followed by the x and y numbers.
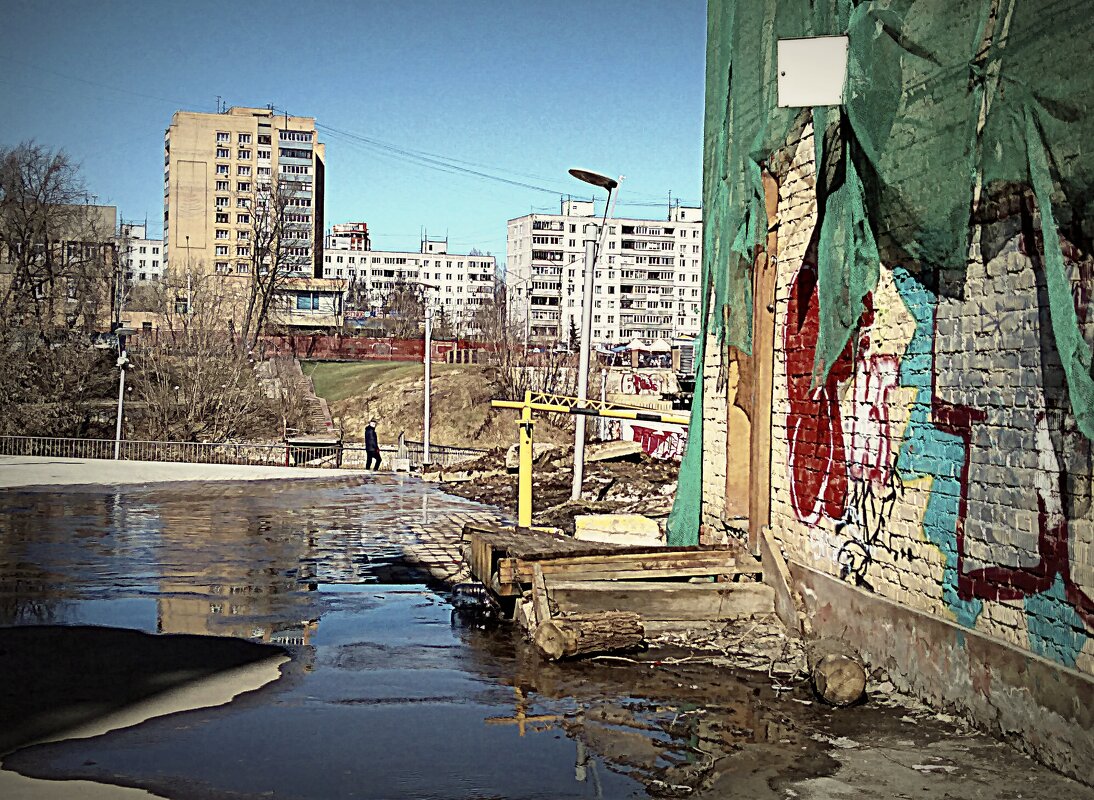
pixel 664 601
pixel 763 365
pixel 627 566
pixel 540 602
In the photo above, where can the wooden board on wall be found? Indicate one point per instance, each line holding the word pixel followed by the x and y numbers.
pixel 763 363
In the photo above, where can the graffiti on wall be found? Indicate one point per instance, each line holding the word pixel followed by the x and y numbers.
pixel 989 440
pixel 665 441
pixel 648 382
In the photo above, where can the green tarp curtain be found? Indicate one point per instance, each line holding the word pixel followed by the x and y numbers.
pixel 945 102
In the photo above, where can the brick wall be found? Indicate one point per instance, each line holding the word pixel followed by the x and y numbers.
pixel 939 466
pixel 715 402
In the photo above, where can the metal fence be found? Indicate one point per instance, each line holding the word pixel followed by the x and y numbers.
pixel 133 450
pixel 279 454
pixel 444 456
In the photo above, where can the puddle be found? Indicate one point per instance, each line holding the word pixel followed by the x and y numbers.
pixel 386 694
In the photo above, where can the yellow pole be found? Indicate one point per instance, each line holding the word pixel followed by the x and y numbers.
pixel 524 479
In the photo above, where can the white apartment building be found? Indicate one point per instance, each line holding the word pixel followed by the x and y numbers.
pixel 648 282
pixel 140 257
pixel 461 284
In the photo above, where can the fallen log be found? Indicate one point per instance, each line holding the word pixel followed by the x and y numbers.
pixel 582 634
pixel 839 679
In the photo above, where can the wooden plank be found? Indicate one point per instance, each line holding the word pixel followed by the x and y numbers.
pixel 628 566
pixel 664 601
pixel 763 353
pixel 777 576
pixel 539 597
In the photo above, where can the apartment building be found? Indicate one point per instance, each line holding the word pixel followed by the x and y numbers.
pixel 461 284
pixel 349 236
pixel 218 171
pixel 140 257
pixel 647 283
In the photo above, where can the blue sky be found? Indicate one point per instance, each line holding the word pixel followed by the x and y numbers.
pixel 516 89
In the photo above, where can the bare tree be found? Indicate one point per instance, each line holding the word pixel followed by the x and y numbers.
pixel 192 382
pixel 56 250
pixel 404 309
pixel 280 245
pixel 56 281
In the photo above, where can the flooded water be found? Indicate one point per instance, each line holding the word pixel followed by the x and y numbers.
pixel 387 693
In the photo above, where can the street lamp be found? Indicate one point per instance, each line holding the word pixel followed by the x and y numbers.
pixel 591 247
pixel 123 362
pixel 427 359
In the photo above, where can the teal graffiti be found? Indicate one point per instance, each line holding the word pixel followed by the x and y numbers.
pixel 928 452
pixel 1056 630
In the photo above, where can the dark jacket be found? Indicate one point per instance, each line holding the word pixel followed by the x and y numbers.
pixel 371 442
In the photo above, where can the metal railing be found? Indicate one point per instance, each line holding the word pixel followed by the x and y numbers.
pixel 136 450
pixel 245 453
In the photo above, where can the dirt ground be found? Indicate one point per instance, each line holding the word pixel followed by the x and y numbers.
pixel 394 394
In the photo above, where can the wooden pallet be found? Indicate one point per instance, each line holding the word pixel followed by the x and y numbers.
pixel 505 560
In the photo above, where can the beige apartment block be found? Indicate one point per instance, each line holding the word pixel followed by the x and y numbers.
pixel 215 165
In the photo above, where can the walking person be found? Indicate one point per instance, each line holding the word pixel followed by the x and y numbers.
pixel 372 446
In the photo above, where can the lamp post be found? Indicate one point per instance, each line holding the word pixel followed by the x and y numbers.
pixel 427 359
pixel 610 184
pixel 123 362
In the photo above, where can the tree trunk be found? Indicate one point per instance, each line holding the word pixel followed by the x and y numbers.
pixel 581 634
pixel 839 679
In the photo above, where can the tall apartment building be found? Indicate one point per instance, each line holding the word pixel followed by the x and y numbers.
pixel 647 283
pixel 462 283
pixel 139 256
pixel 217 166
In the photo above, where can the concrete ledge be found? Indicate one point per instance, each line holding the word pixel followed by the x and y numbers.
pixel 1042 707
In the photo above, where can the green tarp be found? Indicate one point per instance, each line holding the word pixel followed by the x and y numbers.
pixel 946 103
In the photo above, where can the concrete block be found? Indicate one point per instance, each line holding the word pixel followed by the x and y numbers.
pixel 617 529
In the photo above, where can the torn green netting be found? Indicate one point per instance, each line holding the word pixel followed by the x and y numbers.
pixel 941 99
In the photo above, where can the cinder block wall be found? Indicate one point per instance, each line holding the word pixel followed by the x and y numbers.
pixel 940 465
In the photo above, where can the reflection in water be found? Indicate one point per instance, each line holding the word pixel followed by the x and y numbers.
pixel 380 674
pixel 223 559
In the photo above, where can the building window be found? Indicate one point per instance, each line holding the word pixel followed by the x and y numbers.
pixel 222 234
pixel 244 153
pixel 243 251
pixel 243 235
pixel 307 302
pixel 262 154
pixel 244 138
pixel 243 219
pixel 155 251
pixel 243 186
pixel 222 152
pixel 222 169
pixel 243 170
pixel 242 267
pixel 223 186
pixel 222 250
pixel 223 137
pixel 222 217
pixel 263 138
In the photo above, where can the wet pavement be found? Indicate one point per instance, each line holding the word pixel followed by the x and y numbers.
pixel 388 693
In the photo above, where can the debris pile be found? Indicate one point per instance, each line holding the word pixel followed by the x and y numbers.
pixel 623 481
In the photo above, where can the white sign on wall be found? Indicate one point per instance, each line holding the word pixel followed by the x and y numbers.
pixel 812 71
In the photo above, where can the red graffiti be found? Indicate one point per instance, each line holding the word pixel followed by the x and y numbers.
pixel 814 427
pixel 660 444
pixel 870 449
